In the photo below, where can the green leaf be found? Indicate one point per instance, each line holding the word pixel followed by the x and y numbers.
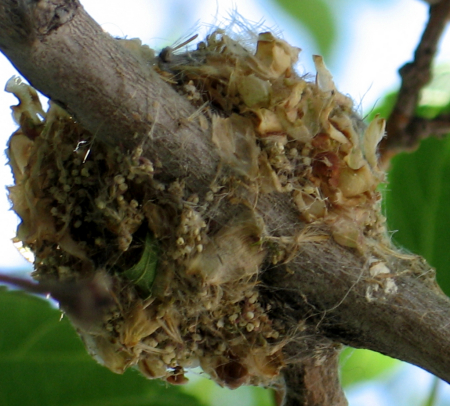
pixel 317 17
pixel 364 365
pixel 436 93
pixel 434 98
pixel 211 393
pixel 43 362
pixel 417 204
pixel 433 394
pixel 143 273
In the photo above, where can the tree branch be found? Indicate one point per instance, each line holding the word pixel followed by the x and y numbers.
pixel 410 325
pixel 327 289
pixel 314 383
pixel 415 75
pixel 421 128
pixel 69 58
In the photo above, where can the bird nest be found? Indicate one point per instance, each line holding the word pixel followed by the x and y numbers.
pixel 183 288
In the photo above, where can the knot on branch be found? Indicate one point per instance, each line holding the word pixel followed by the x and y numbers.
pixel 50 15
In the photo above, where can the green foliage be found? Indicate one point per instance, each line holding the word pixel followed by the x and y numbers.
pixel 43 362
pixel 211 394
pixel 435 98
pixel 142 274
pixel 417 204
pixel 364 365
pixel 432 396
pixel 318 17
pixel 417 194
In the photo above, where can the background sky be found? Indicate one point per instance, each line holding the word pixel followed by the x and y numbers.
pixel 375 38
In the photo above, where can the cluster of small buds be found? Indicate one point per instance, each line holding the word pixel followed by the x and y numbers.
pixel 113 321
pixel 177 189
pixel 190 231
pixel 250 316
pixel 73 175
pixel 243 317
pixel 276 152
pixel 191 92
pixel 89 188
pixel 140 167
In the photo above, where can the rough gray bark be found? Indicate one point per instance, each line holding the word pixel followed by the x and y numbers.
pixel 314 385
pixel 69 58
pixel 66 55
pixel 412 325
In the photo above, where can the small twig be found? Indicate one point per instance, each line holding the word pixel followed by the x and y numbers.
pixel 415 75
pixel 84 301
pixel 420 128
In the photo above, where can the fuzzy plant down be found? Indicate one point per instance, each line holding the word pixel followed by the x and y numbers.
pixel 184 284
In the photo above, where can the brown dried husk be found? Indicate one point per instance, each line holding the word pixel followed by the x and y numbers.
pixel 88 208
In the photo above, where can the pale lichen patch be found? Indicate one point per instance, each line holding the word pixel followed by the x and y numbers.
pixel 381 282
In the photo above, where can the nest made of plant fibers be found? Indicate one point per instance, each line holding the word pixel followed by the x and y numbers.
pixel 184 288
